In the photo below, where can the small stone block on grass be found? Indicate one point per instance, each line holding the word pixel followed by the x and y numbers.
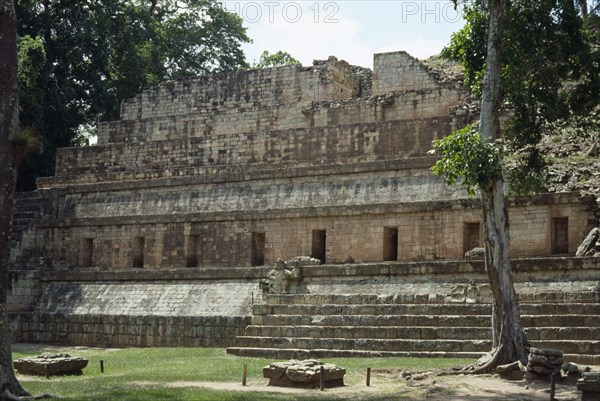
pixel 50 365
pixel 305 373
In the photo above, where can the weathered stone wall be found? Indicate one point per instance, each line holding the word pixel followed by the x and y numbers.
pixel 128 330
pixel 188 307
pixel 287 216
pixel 230 103
pixel 400 72
pixel 136 309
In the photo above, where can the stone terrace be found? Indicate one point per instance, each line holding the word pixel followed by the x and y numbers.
pixel 160 233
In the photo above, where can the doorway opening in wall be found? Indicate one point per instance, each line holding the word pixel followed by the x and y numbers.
pixel 560 236
pixel 257 251
pixel 191 255
pixel 138 252
pixel 87 252
pixel 471 236
pixel 319 243
pixel 390 243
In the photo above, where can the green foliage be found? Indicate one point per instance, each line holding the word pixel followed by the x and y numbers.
pixel 24 142
pixel 551 71
pixel 276 59
pixel 468 47
pixel 81 59
pixel 467 159
pixel 521 178
pixel 32 60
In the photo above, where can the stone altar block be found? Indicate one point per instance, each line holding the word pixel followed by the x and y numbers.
pixel 303 374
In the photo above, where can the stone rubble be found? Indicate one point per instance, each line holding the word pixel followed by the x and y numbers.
pixel 544 361
pixel 589 385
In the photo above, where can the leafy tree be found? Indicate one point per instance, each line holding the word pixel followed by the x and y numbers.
pixel 550 72
pixel 471 157
pixel 10 388
pixel 97 53
pixel 276 59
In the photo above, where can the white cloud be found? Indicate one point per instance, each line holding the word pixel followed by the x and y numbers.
pixel 351 31
pixel 307 40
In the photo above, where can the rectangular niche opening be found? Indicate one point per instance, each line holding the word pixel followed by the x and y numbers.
pixel 191 256
pixel 319 243
pixel 471 236
pixel 138 252
pixel 390 243
pixel 257 252
pixel 87 252
pixel 560 236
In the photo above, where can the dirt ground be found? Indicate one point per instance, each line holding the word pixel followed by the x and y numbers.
pixel 390 385
pixel 442 388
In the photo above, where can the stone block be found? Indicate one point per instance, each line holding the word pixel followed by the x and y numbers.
pixel 50 365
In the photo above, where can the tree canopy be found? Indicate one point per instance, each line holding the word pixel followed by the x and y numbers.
pixel 277 59
pixel 79 60
pixel 550 72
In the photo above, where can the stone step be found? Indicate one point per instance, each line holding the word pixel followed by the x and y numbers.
pixel 373 309
pixel 421 309
pixel 572 346
pixel 545 301
pixel 364 344
pixel 561 309
pixel 551 321
pixel 343 299
pixel 374 332
pixel 300 354
pixel 279 353
pixel 583 359
pixel 559 320
pixel 411 332
pixel 563 333
pixel 371 320
pixel 24 214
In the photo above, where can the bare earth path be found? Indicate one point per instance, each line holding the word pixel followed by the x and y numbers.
pixel 446 388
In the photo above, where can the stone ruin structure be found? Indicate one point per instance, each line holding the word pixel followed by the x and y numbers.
pixel 160 234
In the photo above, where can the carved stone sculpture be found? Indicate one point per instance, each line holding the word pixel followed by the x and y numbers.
pixel 279 279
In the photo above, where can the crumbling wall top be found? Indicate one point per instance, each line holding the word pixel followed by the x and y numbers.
pixel 326 80
pixel 401 72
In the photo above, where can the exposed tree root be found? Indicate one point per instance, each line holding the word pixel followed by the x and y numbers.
pixel 8 396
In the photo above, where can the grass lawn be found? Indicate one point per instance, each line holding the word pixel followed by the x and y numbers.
pixel 190 374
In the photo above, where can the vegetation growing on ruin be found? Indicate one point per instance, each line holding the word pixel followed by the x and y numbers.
pixel 550 78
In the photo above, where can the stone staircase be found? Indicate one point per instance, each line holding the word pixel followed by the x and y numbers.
pixel 324 326
pixel 26 210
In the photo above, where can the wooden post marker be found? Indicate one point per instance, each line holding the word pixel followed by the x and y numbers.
pixel 552 386
pixel 322 378
pixel 245 374
pixel 101 366
pixel 368 377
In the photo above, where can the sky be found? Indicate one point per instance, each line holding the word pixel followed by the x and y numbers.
pixel 351 30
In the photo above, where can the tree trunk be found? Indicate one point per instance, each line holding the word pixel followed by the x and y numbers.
pixel 509 340
pixel 584 8
pixel 9 100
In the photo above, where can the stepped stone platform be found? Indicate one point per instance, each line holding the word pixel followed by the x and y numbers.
pixel 326 325
pixel 161 234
